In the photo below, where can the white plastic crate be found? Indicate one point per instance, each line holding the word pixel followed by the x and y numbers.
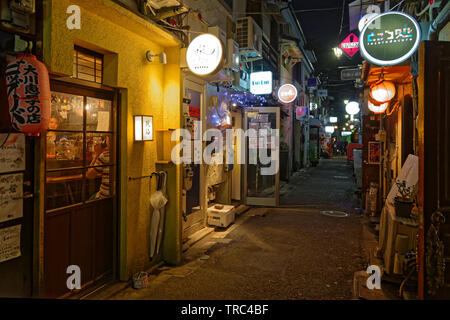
pixel 221 217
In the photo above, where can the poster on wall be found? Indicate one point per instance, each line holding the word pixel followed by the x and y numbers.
pixel 11 197
pixel 10 243
pixel 374 152
pixel 12 153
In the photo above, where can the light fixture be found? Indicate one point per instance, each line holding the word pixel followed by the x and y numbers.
pixel 352 108
pixel 337 52
pixel 150 56
pixel 143 128
pixel 352 127
pixel 377 108
pixel 329 129
pixel 346 101
pixel 346 116
pixel 382 91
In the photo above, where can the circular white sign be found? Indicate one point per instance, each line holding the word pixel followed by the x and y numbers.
pixel 366 19
pixel 204 55
pixel 395 40
pixel 287 93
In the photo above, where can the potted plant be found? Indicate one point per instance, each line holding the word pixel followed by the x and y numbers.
pixel 404 202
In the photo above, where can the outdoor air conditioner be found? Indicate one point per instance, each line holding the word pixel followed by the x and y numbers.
pixel 158 4
pixel 249 38
pixel 220 34
pixel 233 61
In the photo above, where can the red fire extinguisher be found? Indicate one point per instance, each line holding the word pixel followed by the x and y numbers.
pixel 28 92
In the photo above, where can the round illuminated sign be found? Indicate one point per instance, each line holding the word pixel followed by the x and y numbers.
pixel 287 93
pixel 392 39
pixel 204 55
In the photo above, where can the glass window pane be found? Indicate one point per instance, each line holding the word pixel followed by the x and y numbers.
pixel 67 112
pixel 64 150
pixel 63 188
pixel 99 149
pixel 100 183
pixel 99 115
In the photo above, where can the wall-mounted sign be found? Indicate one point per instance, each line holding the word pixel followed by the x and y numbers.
pixel 12 153
pixel 394 41
pixel 10 243
pixel 11 196
pixel 261 82
pixel 205 55
pixel 322 93
pixel 351 74
pixel 312 82
pixel 143 128
pixel 350 45
pixel 287 93
pixel 301 113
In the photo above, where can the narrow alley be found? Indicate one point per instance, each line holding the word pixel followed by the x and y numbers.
pixel 273 253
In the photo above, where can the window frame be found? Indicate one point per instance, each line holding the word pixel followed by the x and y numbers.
pixel 95 55
pixel 105 93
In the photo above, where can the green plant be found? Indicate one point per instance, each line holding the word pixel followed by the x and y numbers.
pixel 313 154
pixel 406 193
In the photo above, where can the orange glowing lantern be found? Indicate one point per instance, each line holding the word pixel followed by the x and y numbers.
pixel 377 107
pixel 382 91
pixel 28 91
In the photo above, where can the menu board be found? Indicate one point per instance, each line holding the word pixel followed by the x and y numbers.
pixel 11 196
pixel 10 243
pixel 12 153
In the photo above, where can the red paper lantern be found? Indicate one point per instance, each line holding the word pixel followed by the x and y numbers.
pixel 28 91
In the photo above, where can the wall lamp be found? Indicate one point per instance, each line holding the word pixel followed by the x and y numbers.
pixel 151 57
pixel 143 128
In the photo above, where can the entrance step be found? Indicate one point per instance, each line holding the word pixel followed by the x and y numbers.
pixel 196 237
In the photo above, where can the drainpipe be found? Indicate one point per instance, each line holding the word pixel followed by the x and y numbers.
pixel 440 21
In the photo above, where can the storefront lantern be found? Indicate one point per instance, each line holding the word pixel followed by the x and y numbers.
pixel 382 91
pixel 377 108
pixel 28 91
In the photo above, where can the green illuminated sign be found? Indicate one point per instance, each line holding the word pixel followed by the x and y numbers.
pixel 389 38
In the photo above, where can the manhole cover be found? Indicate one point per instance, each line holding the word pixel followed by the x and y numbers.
pixel 337 214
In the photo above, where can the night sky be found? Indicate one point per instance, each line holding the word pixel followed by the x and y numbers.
pixel 321 29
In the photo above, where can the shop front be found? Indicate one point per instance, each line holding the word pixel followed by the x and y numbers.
pixel 96 172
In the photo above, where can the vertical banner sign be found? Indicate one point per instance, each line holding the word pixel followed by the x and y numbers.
pixel 350 45
pixel 301 113
pixel 393 42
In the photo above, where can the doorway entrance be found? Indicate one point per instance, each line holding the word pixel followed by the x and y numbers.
pixel 261 186
pixel 80 187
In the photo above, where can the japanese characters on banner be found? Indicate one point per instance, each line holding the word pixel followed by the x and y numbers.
pixel 391 39
pixel 10 243
pixel 11 197
pixel 12 154
pixel 28 91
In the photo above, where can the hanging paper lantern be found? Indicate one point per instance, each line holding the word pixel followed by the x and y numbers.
pixel 382 91
pixel 377 108
pixel 28 91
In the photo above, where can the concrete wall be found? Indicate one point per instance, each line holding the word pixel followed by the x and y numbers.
pixel 147 88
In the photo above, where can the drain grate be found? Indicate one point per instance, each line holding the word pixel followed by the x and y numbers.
pixel 337 214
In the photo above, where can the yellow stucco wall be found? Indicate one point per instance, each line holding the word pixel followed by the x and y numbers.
pixel 147 89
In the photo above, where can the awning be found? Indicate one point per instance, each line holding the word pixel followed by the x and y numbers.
pixel 397 74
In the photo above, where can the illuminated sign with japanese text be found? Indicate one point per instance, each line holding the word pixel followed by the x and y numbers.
pixel 205 55
pixel 395 39
pixel 350 45
pixel 261 82
pixel 287 93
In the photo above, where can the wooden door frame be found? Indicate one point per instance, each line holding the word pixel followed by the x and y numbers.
pixel 89 89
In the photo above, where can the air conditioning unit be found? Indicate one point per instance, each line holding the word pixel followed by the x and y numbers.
pixel 249 38
pixel 158 4
pixel 220 34
pixel 241 81
pixel 233 61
